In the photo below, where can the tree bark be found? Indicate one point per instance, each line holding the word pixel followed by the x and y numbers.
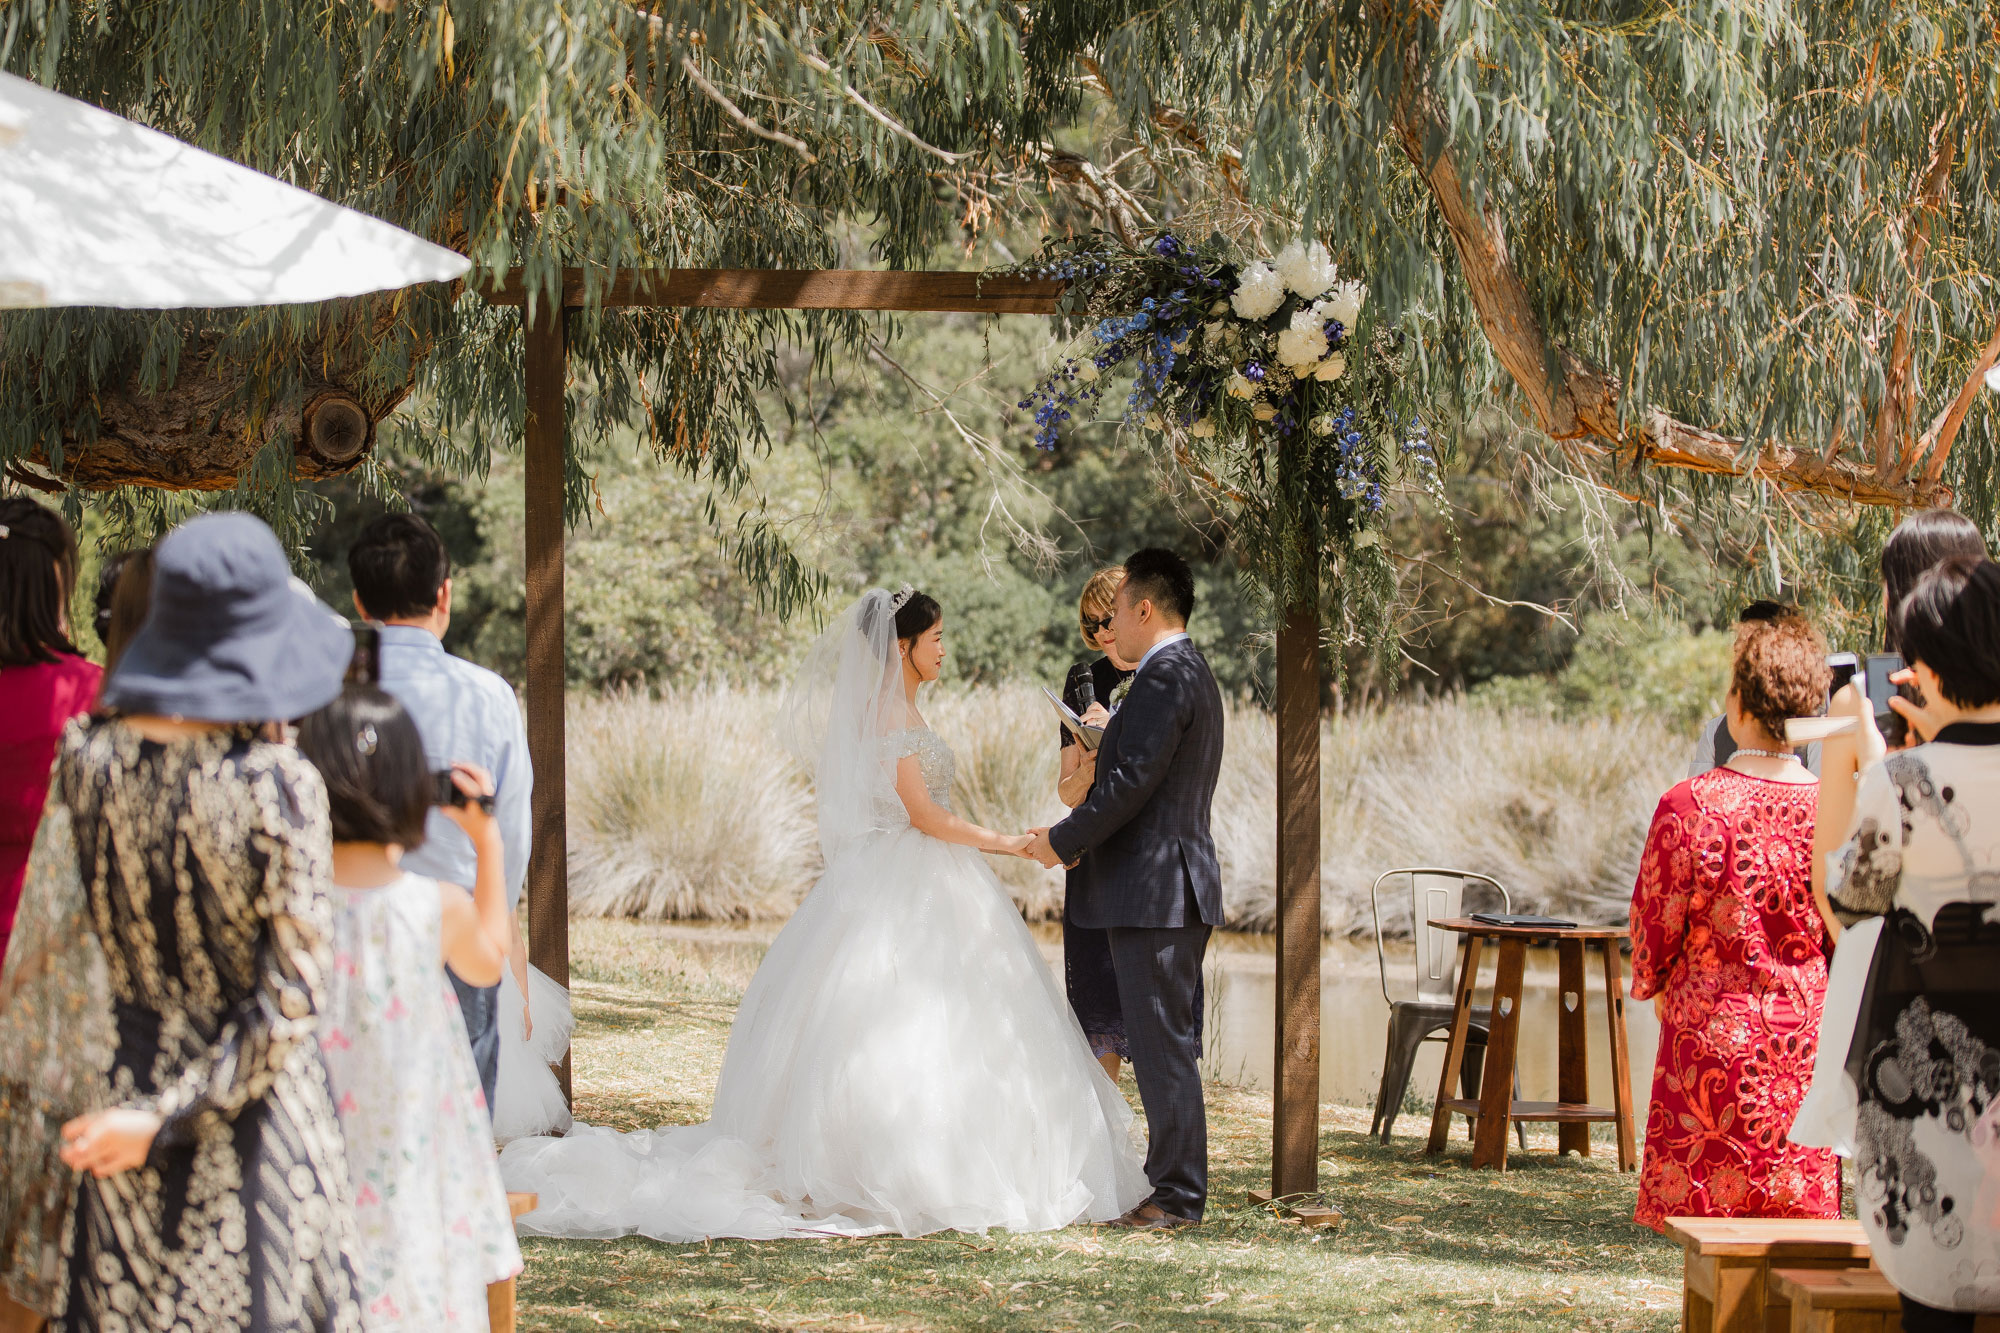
pixel 203 432
pixel 1580 401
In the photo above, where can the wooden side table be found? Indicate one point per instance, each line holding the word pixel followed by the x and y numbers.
pixel 1728 1263
pixel 1496 1110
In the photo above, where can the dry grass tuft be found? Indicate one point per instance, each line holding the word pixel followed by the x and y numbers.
pixel 685 807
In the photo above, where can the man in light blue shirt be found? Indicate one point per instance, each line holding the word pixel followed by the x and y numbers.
pixel 465 713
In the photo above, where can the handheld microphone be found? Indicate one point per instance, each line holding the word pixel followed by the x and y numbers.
pixel 1085 697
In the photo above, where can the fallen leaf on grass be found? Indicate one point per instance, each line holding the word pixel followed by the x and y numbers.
pixel 1407 1217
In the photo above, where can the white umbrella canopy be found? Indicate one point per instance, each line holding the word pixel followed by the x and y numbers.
pixel 96 210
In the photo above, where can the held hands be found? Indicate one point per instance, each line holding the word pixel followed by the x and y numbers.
pixel 107 1142
pixel 1010 844
pixel 1038 849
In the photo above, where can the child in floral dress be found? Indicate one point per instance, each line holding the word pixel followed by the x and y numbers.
pixel 428 1202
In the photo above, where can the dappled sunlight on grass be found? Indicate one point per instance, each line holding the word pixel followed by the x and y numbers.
pixel 1428 1245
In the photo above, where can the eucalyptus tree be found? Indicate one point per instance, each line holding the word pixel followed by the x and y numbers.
pixel 1726 237
pixel 529 134
pixel 1733 238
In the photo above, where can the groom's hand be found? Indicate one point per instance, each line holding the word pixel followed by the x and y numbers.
pixel 1039 849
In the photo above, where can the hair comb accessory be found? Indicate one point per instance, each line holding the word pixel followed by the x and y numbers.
pixel 5 531
pixel 903 595
pixel 367 740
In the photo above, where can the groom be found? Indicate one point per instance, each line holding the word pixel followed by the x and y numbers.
pixel 1152 883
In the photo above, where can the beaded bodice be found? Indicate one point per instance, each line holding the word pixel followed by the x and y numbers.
pixel 934 757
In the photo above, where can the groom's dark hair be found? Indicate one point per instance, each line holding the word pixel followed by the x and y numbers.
pixel 1159 576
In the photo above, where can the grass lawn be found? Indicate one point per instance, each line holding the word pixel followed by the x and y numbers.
pixel 1428 1244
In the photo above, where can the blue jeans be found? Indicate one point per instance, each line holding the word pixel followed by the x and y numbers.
pixel 481 1007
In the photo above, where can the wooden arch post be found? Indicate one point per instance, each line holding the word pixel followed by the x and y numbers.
pixel 1295 1146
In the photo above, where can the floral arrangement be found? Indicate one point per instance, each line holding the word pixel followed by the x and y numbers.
pixel 1238 365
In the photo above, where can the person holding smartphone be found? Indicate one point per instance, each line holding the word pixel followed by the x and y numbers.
pixel 1909 1081
pixel 1923 540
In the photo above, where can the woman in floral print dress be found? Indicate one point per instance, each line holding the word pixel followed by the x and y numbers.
pixel 176 920
pixel 1727 936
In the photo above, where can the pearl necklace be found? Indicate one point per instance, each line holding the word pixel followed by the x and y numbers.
pixel 1764 754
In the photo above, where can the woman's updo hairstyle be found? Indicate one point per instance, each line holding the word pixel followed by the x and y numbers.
pixel 378 782
pixel 918 613
pixel 1780 670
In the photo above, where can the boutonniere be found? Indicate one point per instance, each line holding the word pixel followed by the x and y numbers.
pixel 1118 693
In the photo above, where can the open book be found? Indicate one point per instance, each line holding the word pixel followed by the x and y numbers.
pixel 1087 736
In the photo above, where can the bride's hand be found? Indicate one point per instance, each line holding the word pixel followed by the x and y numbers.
pixel 1011 845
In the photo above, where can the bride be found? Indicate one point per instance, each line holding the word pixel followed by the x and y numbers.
pixel 903 1060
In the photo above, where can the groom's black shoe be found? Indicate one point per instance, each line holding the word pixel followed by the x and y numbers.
pixel 1152 1217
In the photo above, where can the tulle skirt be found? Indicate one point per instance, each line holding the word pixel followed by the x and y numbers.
pixel 527 1099
pixel 903 1061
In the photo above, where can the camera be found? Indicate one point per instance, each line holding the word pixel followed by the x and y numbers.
pixel 447 793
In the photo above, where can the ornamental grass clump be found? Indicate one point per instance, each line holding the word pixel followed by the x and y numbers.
pixel 685 806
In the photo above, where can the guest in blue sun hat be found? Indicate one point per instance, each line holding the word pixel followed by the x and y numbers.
pixel 174 939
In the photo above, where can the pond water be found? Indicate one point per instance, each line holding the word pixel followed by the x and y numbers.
pixel 1354 1018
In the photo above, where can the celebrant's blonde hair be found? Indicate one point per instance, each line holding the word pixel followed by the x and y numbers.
pixel 1095 602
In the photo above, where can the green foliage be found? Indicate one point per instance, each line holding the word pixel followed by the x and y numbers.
pixel 1625 669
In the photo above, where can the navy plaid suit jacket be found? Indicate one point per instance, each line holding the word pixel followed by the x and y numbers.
pixel 1143 833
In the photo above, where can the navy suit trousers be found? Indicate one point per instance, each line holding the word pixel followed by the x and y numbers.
pixel 1159 988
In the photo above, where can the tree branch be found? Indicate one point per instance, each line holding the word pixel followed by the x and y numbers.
pixel 1582 403
pixel 738 114
pixel 1890 443
pixel 1937 440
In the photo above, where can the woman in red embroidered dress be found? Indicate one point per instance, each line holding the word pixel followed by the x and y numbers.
pixel 1726 935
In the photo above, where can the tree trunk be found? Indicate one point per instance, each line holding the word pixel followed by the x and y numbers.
pixel 203 432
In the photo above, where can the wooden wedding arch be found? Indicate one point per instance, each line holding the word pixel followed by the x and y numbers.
pixel 545 367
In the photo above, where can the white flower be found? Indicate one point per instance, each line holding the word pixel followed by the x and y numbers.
pixel 1304 343
pixel 1202 429
pixel 1321 425
pixel 1219 308
pixel 1086 371
pixel 1264 411
pixel 1259 291
pixel 1154 421
pixel 1239 386
pixel 1345 302
pixel 1307 270
pixel 1213 329
pixel 1331 369
pixel 1367 538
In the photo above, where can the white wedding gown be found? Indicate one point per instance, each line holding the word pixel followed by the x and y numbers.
pixel 903 1061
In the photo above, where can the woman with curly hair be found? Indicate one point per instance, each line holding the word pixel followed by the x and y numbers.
pixel 1729 944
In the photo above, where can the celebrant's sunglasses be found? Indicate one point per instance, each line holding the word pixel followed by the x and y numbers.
pixel 1096 627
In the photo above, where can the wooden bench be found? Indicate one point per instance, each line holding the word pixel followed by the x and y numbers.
pixel 1727 1263
pixel 500 1295
pixel 1848 1300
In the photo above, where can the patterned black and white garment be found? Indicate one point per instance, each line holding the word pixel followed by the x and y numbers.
pixel 1924 854
pixel 197 890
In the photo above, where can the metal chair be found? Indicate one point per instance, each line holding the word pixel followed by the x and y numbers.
pixel 1435 894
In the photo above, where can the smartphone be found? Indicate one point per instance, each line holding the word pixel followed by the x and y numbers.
pixel 447 793
pixel 1889 722
pixel 365 667
pixel 1845 666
